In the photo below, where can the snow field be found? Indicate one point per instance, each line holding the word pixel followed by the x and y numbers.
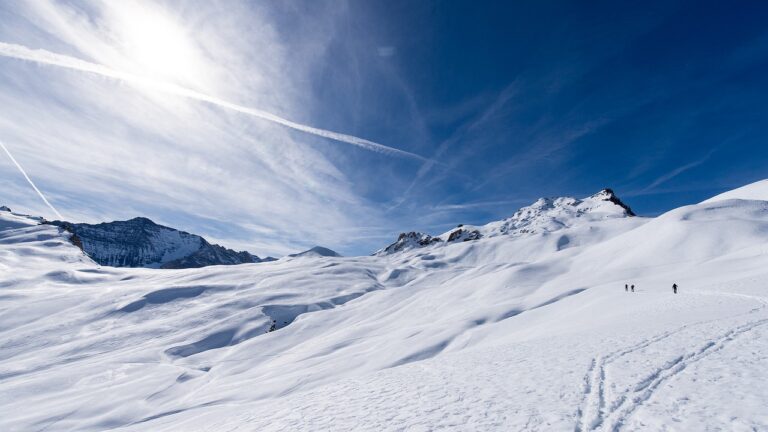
pixel 530 332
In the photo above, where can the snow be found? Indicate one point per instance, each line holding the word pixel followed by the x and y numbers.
pixel 754 191
pixel 317 251
pixel 553 214
pixel 546 215
pixel 508 332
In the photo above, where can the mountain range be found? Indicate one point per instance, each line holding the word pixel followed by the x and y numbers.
pixel 139 242
pixel 527 323
pixel 544 216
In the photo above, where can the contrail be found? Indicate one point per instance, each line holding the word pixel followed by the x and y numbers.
pixel 30 181
pixel 50 58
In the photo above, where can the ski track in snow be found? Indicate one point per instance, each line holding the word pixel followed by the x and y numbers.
pixel 593 414
pixel 487 335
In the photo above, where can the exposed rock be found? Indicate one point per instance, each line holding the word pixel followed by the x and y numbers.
pixel 464 235
pixel 139 242
pixel 409 240
pixel 608 195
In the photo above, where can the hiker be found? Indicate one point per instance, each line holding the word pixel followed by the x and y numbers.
pixel 674 288
pixel 633 288
pixel 626 287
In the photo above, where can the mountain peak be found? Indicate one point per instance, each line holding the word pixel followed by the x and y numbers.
pixel 607 194
pixel 317 251
pixel 140 242
pixel 544 215
pixel 142 220
pixel 604 194
pixel 408 240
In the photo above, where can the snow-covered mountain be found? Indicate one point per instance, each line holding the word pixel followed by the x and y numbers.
pixel 317 251
pixel 517 330
pixel 139 242
pixel 545 215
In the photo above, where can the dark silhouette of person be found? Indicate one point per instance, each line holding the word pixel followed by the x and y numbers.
pixel 633 288
pixel 674 288
pixel 626 287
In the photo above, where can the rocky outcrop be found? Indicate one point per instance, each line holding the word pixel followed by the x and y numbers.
pixel 608 195
pixel 408 240
pixel 462 234
pixel 139 242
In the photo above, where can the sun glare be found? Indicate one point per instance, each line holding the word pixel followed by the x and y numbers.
pixel 157 46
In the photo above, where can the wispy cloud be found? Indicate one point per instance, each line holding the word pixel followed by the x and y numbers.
pixel 468 128
pixel 105 149
pixel 676 172
pixel 54 59
pixel 544 141
pixel 480 204
pixel 29 180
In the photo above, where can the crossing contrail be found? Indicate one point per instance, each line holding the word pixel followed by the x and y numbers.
pixel 50 58
pixel 31 183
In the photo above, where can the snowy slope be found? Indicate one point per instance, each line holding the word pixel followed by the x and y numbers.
pixel 27 247
pixel 508 332
pixel 754 191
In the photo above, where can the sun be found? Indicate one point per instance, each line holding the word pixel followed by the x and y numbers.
pixel 156 46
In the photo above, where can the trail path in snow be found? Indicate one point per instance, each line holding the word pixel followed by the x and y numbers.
pixel 601 411
pixel 534 384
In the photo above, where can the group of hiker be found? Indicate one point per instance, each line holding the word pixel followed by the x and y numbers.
pixel 629 288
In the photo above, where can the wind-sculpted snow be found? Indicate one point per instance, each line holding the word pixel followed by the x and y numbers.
pixel 506 332
pixel 163 296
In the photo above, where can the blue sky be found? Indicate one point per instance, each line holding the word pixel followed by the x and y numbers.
pixel 509 101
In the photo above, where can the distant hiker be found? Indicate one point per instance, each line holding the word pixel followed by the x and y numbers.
pixel 626 287
pixel 674 288
pixel 633 288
